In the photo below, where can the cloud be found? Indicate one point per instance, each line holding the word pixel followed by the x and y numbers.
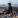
pixel 7 1
pixel 3 2
pixel 13 0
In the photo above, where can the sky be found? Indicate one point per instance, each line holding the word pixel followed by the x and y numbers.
pixel 7 1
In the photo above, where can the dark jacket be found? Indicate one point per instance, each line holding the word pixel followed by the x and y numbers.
pixel 9 9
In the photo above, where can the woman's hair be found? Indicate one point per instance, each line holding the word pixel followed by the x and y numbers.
pixel 9 4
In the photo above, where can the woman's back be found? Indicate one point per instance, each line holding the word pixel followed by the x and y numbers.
pixel 10 8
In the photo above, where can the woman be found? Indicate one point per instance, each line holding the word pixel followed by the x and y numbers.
pixel 9 8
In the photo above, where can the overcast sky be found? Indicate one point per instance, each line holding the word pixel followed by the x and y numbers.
pixel 7 1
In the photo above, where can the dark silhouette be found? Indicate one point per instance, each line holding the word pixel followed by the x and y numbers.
pixel 9 8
